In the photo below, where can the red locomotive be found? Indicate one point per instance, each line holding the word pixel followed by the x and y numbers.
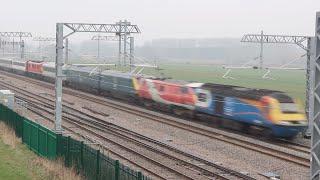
pixel 174 96
pixel 34 66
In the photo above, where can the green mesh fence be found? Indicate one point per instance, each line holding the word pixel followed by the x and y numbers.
pixel 39 139
pixel 92 163
pixel 12 119
pixel 89 162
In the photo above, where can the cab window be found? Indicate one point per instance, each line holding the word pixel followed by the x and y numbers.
pixel 202 97
pixel 289 108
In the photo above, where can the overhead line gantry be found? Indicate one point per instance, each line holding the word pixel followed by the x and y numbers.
pixel 130 42
pixel 40 38
pixel 118 28
pixel 301 41
pixel 20 35
pixel 15 34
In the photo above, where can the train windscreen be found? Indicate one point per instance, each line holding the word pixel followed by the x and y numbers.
pixel 287 105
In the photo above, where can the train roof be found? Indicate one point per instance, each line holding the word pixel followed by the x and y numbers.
pixel 195 85
pixel 104 73
pixel 50 64
pixel 238 91
pixel 176 81
pixel 35 61
pixel 170 81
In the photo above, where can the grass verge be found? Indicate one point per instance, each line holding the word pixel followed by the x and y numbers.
pixel 18 162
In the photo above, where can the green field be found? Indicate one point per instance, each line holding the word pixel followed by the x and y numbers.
pixel 291 81
pixel 18 162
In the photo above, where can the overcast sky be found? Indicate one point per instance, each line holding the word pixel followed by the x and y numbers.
pixel 166 18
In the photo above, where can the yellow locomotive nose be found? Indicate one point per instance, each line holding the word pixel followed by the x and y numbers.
pixel 287 113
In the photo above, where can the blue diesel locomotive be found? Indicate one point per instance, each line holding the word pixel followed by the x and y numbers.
pixel 272 112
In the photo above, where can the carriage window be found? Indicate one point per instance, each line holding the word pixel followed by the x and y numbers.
pixel 184 90
pixel 161 88
pixel 202 97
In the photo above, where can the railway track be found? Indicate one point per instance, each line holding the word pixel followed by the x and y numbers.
pixel 229 139
pixel 274 152
pixel 198 169
pixel 40 111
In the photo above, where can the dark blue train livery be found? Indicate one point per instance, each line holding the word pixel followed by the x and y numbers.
pixel 273 112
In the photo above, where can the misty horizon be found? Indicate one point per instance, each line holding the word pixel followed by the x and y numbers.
pixel 162 19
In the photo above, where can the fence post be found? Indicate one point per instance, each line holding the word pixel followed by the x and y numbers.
pixel 18 126
pixel 116 170
pixel 38 139
pixel 1 113
pixel 59 145
pixel 68 152
pixel 98 165
pixel 6 115
pixel 47 144
pixel 14 121
pixel 139 175
pixel 81 155
pixel 30 132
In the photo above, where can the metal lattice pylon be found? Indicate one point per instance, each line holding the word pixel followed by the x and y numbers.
pixel 78 27
pixel 315 138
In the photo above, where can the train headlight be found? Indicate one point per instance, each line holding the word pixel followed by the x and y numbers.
pixel 303 122
pixel 284 123
pixel 300 122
